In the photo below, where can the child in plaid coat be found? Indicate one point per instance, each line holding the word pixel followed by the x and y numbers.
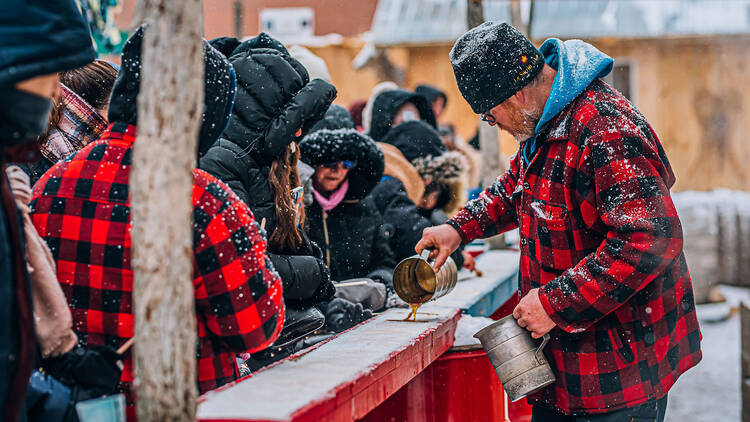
pixel 602 269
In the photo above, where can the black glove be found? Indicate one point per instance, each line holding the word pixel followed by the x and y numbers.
pixel 383 276
pixel 92 372
pixel 342 315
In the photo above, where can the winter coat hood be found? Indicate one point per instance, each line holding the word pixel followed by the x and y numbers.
pixel 367 108
pixel 398 167
pixel 422 146
pixel 219 84
pixel 431 93
pixel 577 64
pixel 225 45
pixel 325 146
pixel 41 37
pixel 275 99
pixel 387 104
pixel 336 117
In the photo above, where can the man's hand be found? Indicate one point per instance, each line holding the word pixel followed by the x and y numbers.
pixel 444 239
pixel 531 315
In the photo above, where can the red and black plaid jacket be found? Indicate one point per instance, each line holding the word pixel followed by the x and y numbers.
pixel 81 208
pixel 601 237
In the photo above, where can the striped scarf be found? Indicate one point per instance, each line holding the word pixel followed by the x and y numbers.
pixel 79 125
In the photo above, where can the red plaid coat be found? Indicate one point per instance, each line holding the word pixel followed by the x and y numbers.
pixel 81 208
pixel 601 237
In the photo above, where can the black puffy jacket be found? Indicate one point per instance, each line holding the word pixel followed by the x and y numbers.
pixel 407 221
pixel 387 104
pixel 353 236
pixel 274 100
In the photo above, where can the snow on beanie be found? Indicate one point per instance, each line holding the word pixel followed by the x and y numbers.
pixel 492 62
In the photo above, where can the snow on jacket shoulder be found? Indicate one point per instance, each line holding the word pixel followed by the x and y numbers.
pixel 274 100
pixel 238 295
pixel 601 238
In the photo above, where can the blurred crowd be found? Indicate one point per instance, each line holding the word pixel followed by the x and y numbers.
pixel 302 208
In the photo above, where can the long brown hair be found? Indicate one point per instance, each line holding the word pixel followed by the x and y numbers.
pixel 284 177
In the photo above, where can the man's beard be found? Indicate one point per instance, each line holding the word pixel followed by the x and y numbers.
pixel 523 122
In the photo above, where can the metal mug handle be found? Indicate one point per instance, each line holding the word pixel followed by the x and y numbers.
pixel 426 254
pixel 541 360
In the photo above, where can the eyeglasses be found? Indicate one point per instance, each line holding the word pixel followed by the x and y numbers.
pixel 346 164
pixel 487 117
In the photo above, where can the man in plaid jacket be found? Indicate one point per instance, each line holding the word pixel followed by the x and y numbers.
pixel 602 269
pixel 81 208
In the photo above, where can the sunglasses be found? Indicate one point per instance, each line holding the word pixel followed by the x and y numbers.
pixel 487 117
pixel 346 164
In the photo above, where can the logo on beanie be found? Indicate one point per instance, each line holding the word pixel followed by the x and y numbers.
pixel 528 64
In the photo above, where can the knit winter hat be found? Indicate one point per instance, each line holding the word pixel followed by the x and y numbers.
pixel 421 145
pixel 41 38
pixel 492 62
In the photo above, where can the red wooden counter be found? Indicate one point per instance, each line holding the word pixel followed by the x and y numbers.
pixel 352 375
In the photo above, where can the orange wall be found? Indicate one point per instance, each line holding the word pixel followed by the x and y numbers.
pixel 345 17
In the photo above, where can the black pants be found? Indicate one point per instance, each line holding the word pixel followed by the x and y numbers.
pixel 652 411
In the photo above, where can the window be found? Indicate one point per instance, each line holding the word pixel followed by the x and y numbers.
pixel 623 78
pixel 288 23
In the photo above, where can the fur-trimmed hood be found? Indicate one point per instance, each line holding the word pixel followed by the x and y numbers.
pixel 325 146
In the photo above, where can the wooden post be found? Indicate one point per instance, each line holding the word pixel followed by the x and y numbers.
pixel 745 360
pixel 170 105
pixel 489 137
pixel 474 13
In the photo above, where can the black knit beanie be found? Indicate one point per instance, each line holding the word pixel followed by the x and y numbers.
pixel 492 62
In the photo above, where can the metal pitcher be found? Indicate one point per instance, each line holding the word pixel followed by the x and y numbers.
pixel 416 282
pixel 517 358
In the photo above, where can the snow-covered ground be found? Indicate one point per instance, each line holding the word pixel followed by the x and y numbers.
pixel 710 392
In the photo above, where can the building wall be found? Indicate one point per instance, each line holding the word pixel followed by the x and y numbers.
pixel 345 17
pixel 696 95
